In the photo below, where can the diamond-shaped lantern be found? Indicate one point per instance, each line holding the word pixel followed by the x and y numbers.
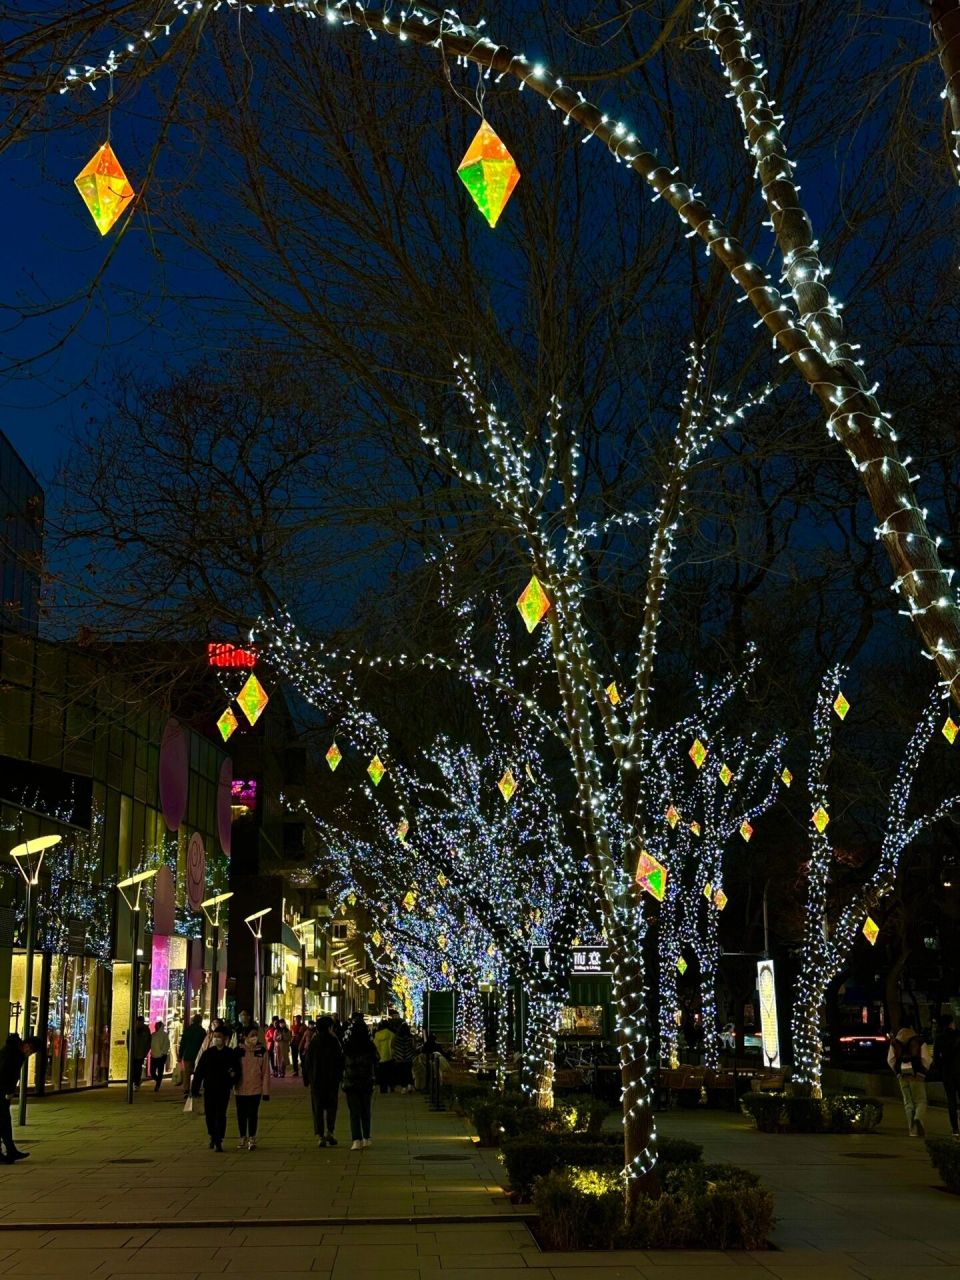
pixel 252 699
pixel 672 816
pixel 708 891
pixel 228 724
pixel 726 776
pixel 950 731
pixel 351 899
pixel 402 829
pixel 333 757
pixel 613 693
pixel 442 941
pixel 507 784
pixel 871 930
pixel 651 875
pixel 841 706
pixel 376 769
pixel 409 900
pixel 746 830
pixel 820 818
pixel 491 951
pixel 695 828
pixel 698 753
pixel 720 899
pixel 681 965
pixel 533 603
pixel 444 968
pixel 104 188
pixel 786 777
pixel 376 937
pixel 441 880
pixel 489 172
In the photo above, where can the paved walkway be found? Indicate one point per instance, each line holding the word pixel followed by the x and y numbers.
pixel 851 1208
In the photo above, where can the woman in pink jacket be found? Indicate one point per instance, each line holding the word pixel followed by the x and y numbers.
pixel 253 1085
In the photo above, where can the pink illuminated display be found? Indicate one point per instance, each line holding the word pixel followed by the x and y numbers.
pixel 244 791
pixel 159 979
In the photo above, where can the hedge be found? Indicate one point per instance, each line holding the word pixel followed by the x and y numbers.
pixel 945 1154
pixel 700 1207
pixel 783 1113
pixel 534 1156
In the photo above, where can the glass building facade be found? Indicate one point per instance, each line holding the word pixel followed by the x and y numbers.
pixel 21 542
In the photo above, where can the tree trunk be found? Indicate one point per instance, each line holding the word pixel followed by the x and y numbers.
pixel 639 1130
pixel 540 1045
pixel 945 25
pixel 807 1041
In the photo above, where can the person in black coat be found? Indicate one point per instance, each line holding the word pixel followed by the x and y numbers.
pixel 13 1061
pixel 216 1073
pixel 323 1071
pixel 946 1059
pixel 360 1059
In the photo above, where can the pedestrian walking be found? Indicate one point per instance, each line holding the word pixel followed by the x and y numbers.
pixel 216 1075
pixel 253 1087
pixel 383 1038
pixel 404 1052
pixel 13 1062
pixel 910 1060
pixel 159 1049
pixel 191 1042
pixel 296 1042
pixel 139 1044
pixel 245 1025
pixel 360 1060
pixel 271 1036
pixel 946 1060
pixel 282 1045
pixel 323 1071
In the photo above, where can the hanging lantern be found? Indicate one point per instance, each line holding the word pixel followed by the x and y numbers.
pixel 104 188
pixel 489 172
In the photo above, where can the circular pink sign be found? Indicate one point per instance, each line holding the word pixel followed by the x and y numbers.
pixel 196 871
pixel 164 902
pixel 224 799
pixel 173 774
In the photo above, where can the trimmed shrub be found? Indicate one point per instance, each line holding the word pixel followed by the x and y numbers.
pixel 498 1116
pixel 784 1113
pixel 533 1156
pixel 701 1207
pixel 945 1154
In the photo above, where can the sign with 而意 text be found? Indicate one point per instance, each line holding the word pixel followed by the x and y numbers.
pixel 592 959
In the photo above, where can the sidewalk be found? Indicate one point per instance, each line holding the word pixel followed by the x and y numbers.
pixel 850 1208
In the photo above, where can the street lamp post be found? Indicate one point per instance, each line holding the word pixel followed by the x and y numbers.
pixel 136 882
pixel 29 858
pixel 254 923
pixel 214 921
pixel 303 925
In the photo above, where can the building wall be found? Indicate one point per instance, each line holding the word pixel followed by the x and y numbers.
pixel 21 542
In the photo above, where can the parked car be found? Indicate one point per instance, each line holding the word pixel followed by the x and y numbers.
pixel 860 1049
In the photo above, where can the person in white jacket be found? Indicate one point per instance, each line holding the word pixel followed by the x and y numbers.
pixel 909 1059
pixel 252 1087
pixel 159 1050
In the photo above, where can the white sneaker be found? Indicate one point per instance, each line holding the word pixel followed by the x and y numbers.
pixel 367 1142
pixel 242 1144
pixel 356 1146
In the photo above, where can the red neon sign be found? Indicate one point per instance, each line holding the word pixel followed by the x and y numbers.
pixel 229 655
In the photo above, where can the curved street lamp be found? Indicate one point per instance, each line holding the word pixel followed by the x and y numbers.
pixel 29 858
